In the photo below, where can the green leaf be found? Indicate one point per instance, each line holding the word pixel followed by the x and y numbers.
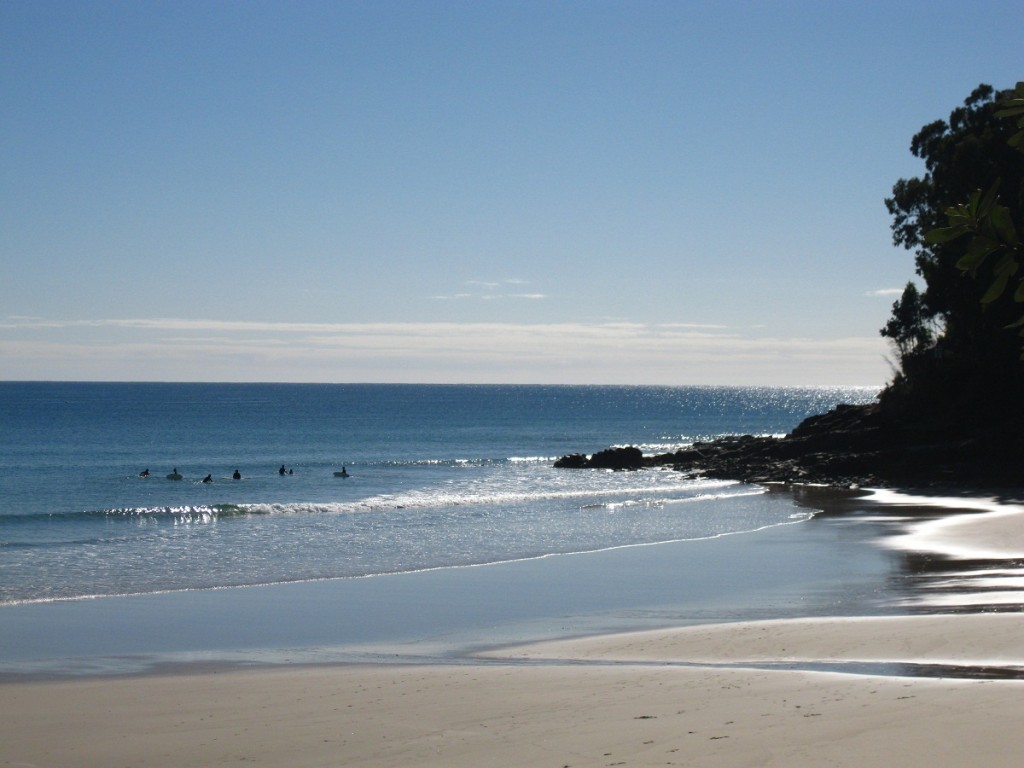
pixel 970 263
pixel 1007 265
pixel 974 257
pixel 970 208
pixel 1003 224
pixel 996 289
pixel 1014 108
pixel 989 200
pixel 946 234
pixel 963 213
pixel 978 249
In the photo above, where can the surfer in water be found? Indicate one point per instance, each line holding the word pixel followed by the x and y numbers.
pixel 237 475
pixel 208 479
pixel 144 473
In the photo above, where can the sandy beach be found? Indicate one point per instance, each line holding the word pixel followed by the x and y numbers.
pixel 657 697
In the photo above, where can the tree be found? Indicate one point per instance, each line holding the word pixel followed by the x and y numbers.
pixel 908 327
pixel 989 226
pixel 970 371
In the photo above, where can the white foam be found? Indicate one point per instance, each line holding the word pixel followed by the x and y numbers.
pixel 991 529
pixel 961 600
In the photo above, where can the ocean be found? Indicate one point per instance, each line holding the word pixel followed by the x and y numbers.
pixel 440 478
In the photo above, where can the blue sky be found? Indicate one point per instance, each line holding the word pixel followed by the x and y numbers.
pixel 537 192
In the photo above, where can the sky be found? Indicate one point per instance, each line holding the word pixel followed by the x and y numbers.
pixel 669 193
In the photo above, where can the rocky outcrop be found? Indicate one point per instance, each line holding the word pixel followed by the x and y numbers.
pixel 848 446
pixel 612 458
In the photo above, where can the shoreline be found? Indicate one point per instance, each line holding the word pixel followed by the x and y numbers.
pixel 626 698
pixel 785 570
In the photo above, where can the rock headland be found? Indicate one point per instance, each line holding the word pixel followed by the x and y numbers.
pixel 851 445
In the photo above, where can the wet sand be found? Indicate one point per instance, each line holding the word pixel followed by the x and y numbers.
pixel 691 695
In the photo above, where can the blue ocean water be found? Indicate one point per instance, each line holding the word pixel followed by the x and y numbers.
pixel 439 476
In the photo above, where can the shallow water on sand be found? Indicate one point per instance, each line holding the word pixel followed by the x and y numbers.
pixel 823 566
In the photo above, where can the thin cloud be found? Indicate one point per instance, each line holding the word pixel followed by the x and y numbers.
pixel 175 349
pixel 498 283
pixel 885 292
pixel 489 290
pixel 695 326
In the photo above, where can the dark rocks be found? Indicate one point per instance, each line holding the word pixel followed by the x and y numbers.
pixel 572 461
pixel 612 458
pixel 850 445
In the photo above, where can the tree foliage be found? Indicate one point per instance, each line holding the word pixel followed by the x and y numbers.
pixel 989 227
pixel 909 325
pixel 962 219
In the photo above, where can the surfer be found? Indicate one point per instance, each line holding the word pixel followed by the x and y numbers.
pixel 208 479
pixel 281 470
pixel 175 475
pixel 144 473
pixel 237 475
pixel 343 473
